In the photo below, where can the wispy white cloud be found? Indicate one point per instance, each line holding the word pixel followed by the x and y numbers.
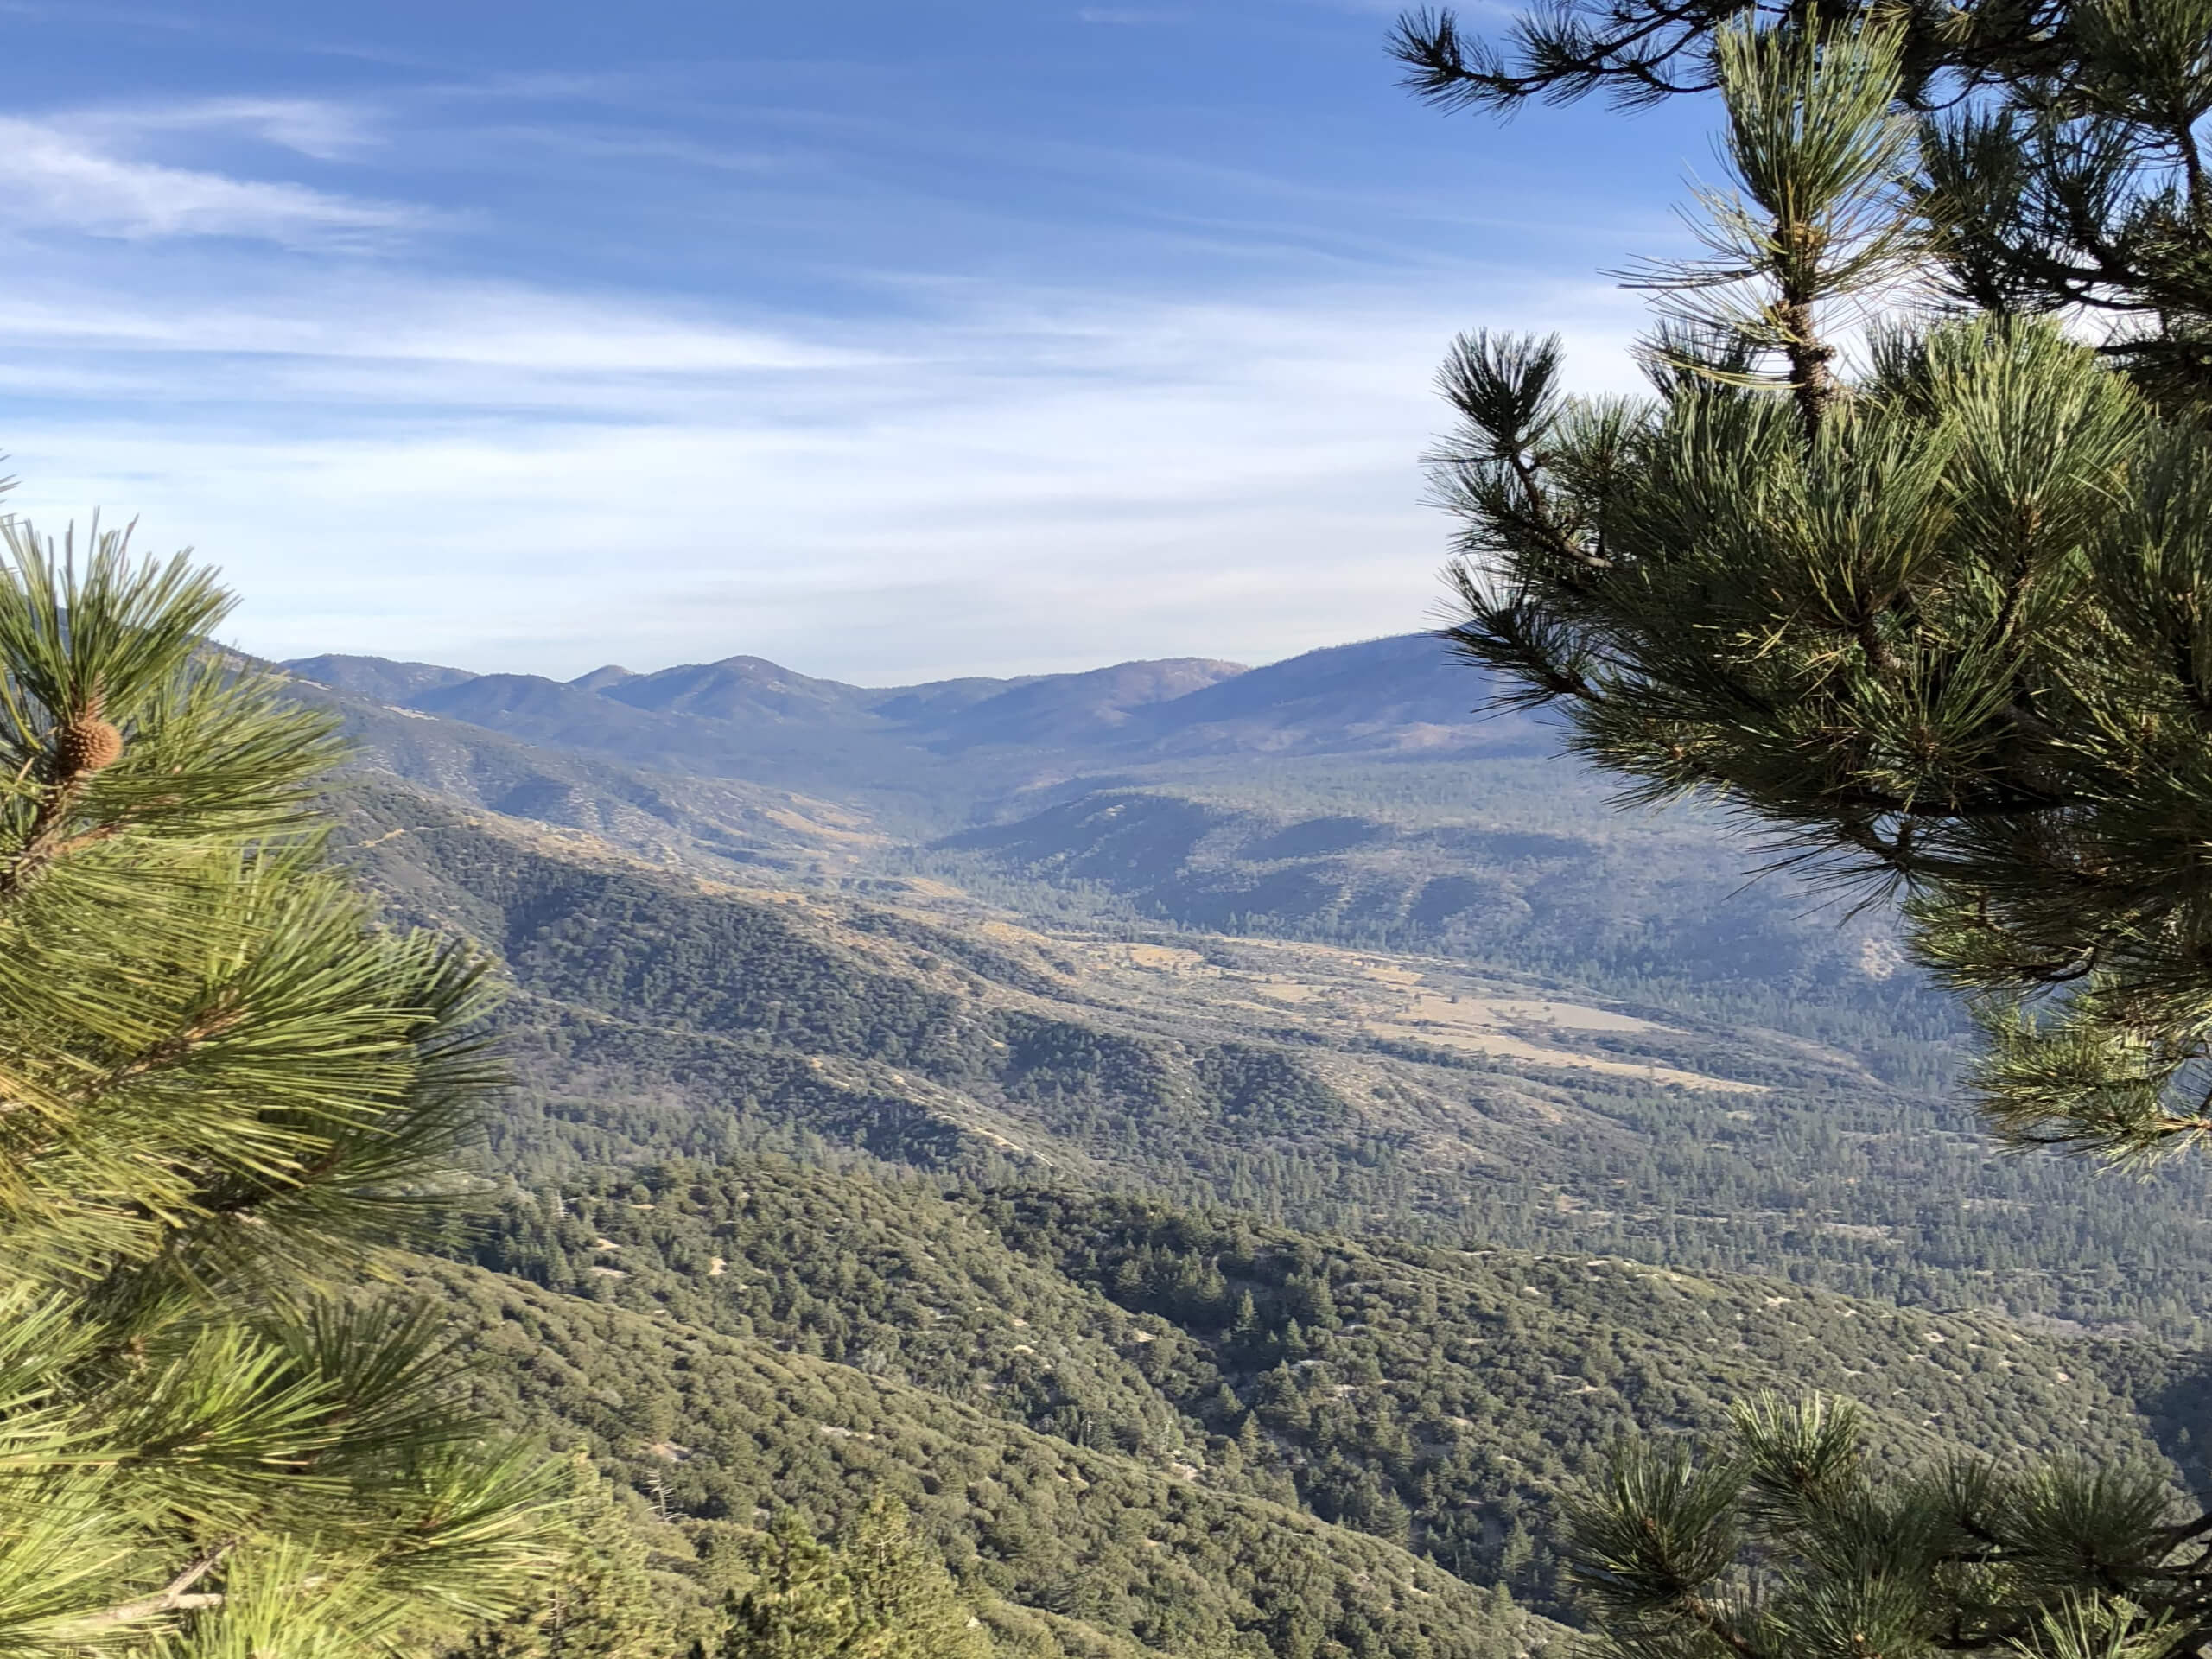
pixel 75 177
pixel 370 338
pixel 321 128
pixel 656 384
pixel 1036 479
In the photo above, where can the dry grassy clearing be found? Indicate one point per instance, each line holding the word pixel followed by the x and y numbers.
pixel 1405 999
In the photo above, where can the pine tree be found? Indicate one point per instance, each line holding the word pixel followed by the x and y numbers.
pixel 881 1594
pixel 907 1604
pixel 1938 621
pixel 1249 1447
pixel 1245 1332
pixel 224 1093
pixel 801 1606
pixel 1943 626
pixel 599 1602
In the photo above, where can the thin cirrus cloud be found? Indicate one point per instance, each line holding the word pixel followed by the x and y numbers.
pixel 324 130
pixel 64 177
pixel 398 324
pixel 885 369
pixel 1038 480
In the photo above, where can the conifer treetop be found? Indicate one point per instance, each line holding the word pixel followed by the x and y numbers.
pixel 1940 627
pixel 226 1094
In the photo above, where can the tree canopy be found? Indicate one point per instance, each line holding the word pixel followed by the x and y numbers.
pixel 1934 614
pixel 1906 561
pixel 224 1093
pixel 2059 170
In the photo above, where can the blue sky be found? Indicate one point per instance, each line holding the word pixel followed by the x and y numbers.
pixel 890 341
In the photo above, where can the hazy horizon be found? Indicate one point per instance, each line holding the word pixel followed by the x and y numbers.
pixel 563 676
pixel 903 342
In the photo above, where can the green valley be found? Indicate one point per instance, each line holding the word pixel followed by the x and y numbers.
pixel 1227 1190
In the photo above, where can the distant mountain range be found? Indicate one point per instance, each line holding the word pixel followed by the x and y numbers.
pixel 1359 794
pixel 746 718
pixel 1038 979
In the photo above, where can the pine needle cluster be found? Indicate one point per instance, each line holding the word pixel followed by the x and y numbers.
pixel 1940 627
pixel 224 1093
pixel 1934 616
pixel 1782 1544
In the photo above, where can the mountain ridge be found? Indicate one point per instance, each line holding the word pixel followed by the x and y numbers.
pixel 1371 695
pixel 1204 1131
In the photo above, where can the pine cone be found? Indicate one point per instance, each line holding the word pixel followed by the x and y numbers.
pixel 87 744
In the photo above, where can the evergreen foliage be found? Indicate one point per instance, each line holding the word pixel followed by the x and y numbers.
pixel 1782 1544
pixel 1069 1549
pixel 1940 627
pixel 1435 1401
pixel 222 1092
pixel 1937 626
pixel 879 1595
pixel 2060 171
pixel 802 1602
pixel 600 1600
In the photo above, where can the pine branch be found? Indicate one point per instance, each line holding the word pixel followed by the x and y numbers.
pixel 176 1596
pixel 48 839
pixel 1715 1624
pixel 1442 68
pixel 169 1051
pixel 222 1080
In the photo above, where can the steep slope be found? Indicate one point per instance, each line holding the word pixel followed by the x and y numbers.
pixel 377 679
pixel 543 711
pixel 868 765
pixel 1435 1399
pixel 732 1428
pixel 651 1002
pixel 663 819
pixel 1062 711
pixel 656 1013
pixel 1589 1100
pixel 750 689
pixel 1398 694
pixel 1519 863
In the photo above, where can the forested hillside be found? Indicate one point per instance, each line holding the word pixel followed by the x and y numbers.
pixel 1225 1202
pixel 724 1431
pixel 1178 1429
pixel 655 1013
pixel 1433 1399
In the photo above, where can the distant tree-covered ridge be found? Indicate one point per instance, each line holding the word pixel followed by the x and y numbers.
pixel 653 1014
